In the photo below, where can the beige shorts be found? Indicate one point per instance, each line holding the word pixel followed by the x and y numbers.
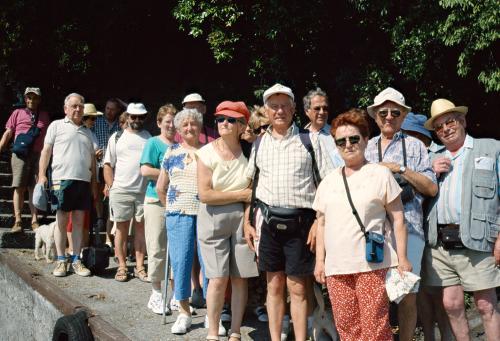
pixel 473 270
pixel 24 171
pixel 123 205
pixel 223 248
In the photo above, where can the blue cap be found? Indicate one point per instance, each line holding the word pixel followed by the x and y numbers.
pixel 415 122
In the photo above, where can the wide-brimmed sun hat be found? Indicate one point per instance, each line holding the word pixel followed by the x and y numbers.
pixel 415 122
pixel 443 106
pixel 90 110
pixel 194 97
pixel 388 94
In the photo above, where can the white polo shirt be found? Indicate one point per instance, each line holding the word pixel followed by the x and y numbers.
pixel 72 150
pixel 125 158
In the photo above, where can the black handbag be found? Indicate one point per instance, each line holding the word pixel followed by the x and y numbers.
pixel 450 238
pixel 407 193
pixel 23 143
pixel 374 241
pixel 96 256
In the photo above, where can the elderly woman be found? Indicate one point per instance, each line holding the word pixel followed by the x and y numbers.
pixel 223 190
pixel 154 211
pixel 178 173
pixel 356 284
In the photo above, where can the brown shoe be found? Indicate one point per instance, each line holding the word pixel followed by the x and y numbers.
pixel 17 228
pixel 35 225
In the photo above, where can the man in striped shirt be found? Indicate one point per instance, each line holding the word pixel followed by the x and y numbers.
pixel 463 222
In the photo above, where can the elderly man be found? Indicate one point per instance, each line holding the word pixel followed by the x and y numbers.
pixel 126 188
pixel 286 183
pixel 463 222
pixel 316 107
pixel 25 167
pixel 195 101
pixel 69 142
pixel 408 160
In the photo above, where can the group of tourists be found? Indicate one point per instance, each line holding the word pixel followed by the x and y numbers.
pixel 261 195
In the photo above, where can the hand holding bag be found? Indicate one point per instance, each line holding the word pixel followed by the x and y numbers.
pixel 374 241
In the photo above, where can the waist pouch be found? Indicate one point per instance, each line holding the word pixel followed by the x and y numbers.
pixel 450 238
pixel 408 193
pixel 23 142
pixel 374 247
pixel 286 220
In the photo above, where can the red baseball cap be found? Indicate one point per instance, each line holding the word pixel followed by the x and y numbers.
pixel 233 109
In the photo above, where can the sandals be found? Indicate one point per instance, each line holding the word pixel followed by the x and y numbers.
pixel 236 336
pixel 121 275
pixel 212 338
pixel 141 274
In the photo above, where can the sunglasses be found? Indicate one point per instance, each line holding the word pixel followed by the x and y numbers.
pixel 342 142
pixel 232 120
pixel 260 129
pixel 451 122
pixel 394 112
pixel 137 117
pixel 89 118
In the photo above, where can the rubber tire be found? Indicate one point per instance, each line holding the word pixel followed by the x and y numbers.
pixel 72 328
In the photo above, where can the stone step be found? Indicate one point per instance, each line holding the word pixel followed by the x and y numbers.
pixel 7 220
pixel 6 192
pixel 25 240
pixel 5 167
pixel 7 207
pixel 5 179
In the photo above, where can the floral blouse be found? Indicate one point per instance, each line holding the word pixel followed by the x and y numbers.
pixel 182 192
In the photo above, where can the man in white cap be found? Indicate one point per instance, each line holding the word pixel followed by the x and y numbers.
pixel 69 143
pixel 195 101
pixel 408 160
pixel 25 167
pixel 463 222
pixel 286 182
pixel 126 188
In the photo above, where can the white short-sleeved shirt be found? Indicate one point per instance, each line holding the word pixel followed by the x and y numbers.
pixel 227 176
pixel 72 150
pixel 124 156
pixel 371 188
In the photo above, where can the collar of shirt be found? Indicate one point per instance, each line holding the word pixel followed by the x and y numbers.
pixel 397 136
pixel 292 130
pixel 67 120
pixel 325 130
pixel 468 144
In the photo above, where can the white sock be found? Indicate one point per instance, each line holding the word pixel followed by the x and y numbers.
pixel 156 291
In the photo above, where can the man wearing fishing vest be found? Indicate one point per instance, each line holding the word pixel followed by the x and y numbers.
pixel 463 221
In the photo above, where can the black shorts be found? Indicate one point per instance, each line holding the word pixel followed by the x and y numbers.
pixel 288 252
pixel 71 195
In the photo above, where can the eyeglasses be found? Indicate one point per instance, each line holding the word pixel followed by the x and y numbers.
pixel 451 123
pixel 276 107
pixel 137 117
pixel 259 129
pixel 394 112
pixel 318 108
pixel 232 120
pixel 91 118
pixel 342 142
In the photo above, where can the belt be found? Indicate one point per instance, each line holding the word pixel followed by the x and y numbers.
pixel 449 226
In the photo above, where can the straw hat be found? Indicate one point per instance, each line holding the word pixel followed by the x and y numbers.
pixel 440 107
pixel 90 110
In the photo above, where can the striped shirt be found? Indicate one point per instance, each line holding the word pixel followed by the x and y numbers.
pixel 449 203
pixel 286 171
pixel 417 160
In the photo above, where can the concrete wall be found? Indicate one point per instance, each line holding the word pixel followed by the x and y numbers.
pixel 24 313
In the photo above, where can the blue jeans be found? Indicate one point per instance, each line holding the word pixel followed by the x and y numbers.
pixel 181 235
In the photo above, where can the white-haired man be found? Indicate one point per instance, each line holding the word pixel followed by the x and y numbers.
pixel 69 142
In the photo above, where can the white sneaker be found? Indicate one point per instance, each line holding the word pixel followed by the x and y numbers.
pixel 222 330
pixel 155 304
pixel 285 328
pixel 182 324
pixel 174 306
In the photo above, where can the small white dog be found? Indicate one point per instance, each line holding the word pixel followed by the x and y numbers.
pixel 323 326
pixel 44 239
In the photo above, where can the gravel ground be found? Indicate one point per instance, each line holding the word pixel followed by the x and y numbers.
pixel 124 304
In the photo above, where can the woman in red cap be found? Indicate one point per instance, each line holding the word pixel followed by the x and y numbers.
pixel 224 189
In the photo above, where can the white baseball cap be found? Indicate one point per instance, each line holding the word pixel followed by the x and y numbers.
pixel 194 97
pixel 278 89
pixel 31 90
pixel 136 109
pixel 388 94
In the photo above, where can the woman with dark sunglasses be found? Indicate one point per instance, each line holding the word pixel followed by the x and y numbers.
pixel 224 190
pixel 356 286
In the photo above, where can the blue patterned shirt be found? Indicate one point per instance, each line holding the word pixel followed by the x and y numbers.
pixel 328 142
pixel 417 159
pixel 103 131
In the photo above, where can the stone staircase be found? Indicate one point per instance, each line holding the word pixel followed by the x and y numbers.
pixel 7 239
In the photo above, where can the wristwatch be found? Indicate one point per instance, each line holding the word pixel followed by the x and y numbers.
pixel 402 169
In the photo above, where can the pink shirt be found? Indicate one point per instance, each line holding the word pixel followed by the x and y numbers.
pixel 20 122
